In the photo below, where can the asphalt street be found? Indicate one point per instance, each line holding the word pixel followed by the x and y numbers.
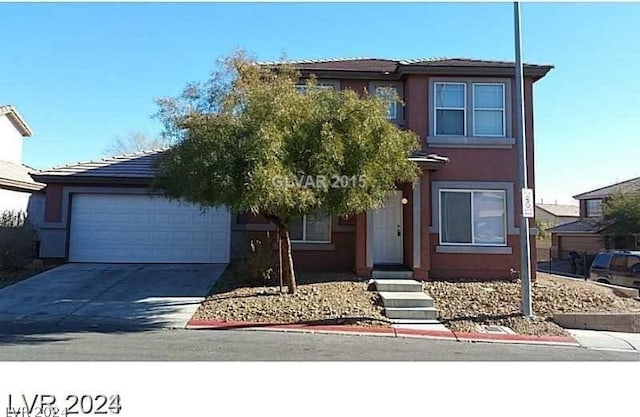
pixel 43 343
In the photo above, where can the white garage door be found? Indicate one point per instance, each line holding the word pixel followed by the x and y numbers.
pixel 139 228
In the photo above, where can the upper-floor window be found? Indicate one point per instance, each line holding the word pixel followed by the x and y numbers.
pixel 389 95
pixel 488 109
pixel 594 208
pixel 476 109
pixel 321 85
pixel 450 103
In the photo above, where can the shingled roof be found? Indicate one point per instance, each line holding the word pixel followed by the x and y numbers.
pixel 560 210
pixel 396 67
pixel 16 177
pixel 131 167
pixel 581 226
pixel 621 187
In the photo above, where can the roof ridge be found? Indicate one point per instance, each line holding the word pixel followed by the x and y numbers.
pixel 315 61
pixel 606 186
pixel 107 159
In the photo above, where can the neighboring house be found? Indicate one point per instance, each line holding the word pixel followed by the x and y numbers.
pixel 459 221
pixel 588 232
pixel 556 214
pixel 18 191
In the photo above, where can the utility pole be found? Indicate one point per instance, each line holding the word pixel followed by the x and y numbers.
pixel 525 194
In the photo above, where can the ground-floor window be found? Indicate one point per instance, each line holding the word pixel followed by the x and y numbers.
pixel 473 217
pixel 311 228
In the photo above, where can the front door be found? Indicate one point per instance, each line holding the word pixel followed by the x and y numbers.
pixel 387 231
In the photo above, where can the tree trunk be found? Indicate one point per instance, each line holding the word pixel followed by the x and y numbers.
pixel 286 261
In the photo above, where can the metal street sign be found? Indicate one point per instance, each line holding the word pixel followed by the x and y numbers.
pixel 527 203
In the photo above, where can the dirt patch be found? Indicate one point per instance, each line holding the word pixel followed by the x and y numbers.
pixel 465 305
pixel 322 298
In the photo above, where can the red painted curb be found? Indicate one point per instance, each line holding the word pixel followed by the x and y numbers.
pixel 383 331
pixel 433 334
pixel 228 325
pixel 515 338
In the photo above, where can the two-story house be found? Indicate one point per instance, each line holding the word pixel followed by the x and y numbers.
pixel 588 233
pixel 460 220
pixel 18 191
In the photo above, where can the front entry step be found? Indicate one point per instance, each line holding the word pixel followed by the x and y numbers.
pixel 397 285
pixel 406 299
pixel 422 313
pixel 391 274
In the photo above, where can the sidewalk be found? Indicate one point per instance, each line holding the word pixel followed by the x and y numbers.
pixel 594 339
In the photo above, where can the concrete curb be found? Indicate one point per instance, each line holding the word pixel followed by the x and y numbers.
pixel 383 331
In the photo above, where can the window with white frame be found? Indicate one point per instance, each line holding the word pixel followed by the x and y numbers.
pixel 488 109
pixel 594 208
pixel 450 109
pixel 473 217
pixel 319 86
pixel 311 228
pixel 389 95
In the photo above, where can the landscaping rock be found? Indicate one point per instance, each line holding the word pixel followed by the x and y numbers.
pixel 322 298
pixel 465 305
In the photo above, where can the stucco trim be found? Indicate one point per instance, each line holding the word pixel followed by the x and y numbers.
pixel 416 223
pixel 305 246
pixel 470 142
pixel 472 185
pixel 369 239
pixel 497 250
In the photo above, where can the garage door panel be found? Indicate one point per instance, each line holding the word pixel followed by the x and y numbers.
pixel 140 228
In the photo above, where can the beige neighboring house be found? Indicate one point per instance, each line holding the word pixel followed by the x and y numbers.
pixel 556 214
pixel 588 232
pixel 18 191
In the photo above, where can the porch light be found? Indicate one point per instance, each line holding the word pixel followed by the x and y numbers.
pixel 405 200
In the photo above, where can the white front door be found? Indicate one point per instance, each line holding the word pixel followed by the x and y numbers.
pixel 387 231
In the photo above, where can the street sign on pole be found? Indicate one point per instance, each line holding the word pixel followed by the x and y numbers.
pixel 528 205
pixel 525 247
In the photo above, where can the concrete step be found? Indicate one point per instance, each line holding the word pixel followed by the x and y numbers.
pixel 406 299
pixel 397 285
pixel 414 321
pixel 423 313
pixel 400 274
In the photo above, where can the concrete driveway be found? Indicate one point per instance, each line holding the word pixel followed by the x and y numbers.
pixel 141 296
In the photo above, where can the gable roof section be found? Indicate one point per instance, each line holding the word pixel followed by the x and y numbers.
pixel 560 210
pixel 580 226
pixel 135 167
pixel 138 168
pixel 16 119
pixel 16 177
pixel 623 187
pixel 394 68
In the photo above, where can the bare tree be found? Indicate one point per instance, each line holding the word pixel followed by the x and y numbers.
pixel 135 142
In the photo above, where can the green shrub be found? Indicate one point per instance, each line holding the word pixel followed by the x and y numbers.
pixel 17 241
pixel 260 263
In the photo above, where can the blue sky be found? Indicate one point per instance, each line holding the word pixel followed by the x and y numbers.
pixel 82 74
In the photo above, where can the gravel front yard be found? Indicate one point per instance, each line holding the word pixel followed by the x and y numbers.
pixel 465 305
pixel 322 298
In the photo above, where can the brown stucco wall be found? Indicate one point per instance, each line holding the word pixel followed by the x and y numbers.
pixel 53 203
pixel 341 258
pixel 467 266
